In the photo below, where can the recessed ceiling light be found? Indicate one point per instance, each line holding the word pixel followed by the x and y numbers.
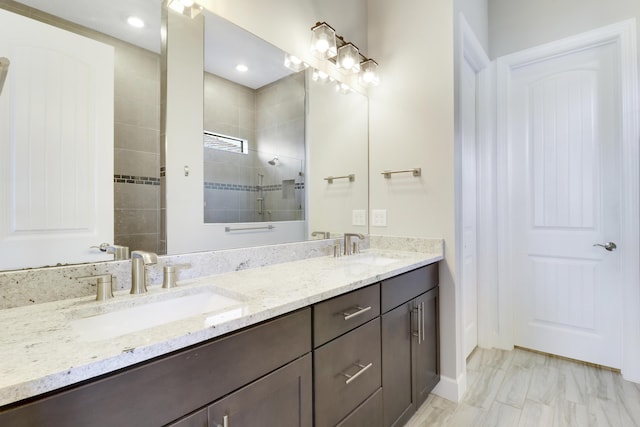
pixel 242 68
pixel 134 21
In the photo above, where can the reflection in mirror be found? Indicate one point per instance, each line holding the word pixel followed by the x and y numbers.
pixel 254 129
pixel 134 158
pixel 136 175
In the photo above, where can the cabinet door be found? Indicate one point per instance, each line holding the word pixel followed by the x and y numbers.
pixel 426 363
pixel 282 398
pixel 369 414
pixel 396 365
pixel 197 419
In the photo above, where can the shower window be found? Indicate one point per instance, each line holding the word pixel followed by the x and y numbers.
pixel 232 144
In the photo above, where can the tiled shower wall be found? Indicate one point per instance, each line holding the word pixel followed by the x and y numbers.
pixel 272 119
pixel 137 149
pixel 136 133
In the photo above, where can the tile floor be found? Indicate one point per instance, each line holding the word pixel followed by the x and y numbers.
pixel 520 388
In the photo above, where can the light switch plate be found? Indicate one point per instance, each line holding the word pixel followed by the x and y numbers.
pixel 359 217
pixel 379 217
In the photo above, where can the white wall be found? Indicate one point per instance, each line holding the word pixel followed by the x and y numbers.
pixel 412 125
pixel 519 24
pixel 476 13
pixel 337 138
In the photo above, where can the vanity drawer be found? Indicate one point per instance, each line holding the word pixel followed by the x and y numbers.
pixel 336 316
pixel 402 288
pixel 369 414
pixel 346 372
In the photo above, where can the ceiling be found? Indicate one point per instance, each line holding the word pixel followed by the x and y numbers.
pixel 226 45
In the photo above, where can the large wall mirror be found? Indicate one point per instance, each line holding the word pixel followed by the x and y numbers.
pixel 294 188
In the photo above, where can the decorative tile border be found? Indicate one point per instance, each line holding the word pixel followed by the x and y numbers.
pixel 131 179
pixel 251 188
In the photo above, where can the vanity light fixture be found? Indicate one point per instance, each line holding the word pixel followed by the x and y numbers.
pixel 348 60
pixel 185 7
pixel 136 22
pixel 294 63
pixel 343 88
pixel 321 77
pixel 323 41
pixel 326 44
pixel 369 73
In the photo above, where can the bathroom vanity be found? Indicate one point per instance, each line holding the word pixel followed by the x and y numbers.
pixel 361 352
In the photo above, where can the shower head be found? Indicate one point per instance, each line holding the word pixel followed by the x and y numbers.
pixel 273 161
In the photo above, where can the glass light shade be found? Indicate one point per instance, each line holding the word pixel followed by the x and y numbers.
pixel 294 63
pixel 343 88
pixel 348 59
pixel 185 7
pixel 321 77
pixel 323 41
pixel 369 73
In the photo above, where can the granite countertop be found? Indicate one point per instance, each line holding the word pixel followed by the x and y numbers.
pixel 41 350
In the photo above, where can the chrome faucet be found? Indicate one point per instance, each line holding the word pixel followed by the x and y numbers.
pixel 139 262
pixel 348 249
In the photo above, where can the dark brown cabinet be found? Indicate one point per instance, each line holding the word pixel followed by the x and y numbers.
pixel 282 398
pixel 346 352
pixel 165 390
pixel 374 362
pixel 410 365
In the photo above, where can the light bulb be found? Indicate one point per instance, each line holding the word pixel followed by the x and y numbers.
pixel 369 73
pixel 294 63
pixel 347 62
pixel 322 45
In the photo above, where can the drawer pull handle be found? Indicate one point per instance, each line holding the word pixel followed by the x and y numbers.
pixel 225 422
pixel 357 374
pixel 358 312
pixel 418 314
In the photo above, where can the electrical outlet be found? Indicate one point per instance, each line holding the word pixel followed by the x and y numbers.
pixel 379 217
pixel 359 217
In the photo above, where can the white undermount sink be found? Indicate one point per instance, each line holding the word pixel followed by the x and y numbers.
pixel 148 315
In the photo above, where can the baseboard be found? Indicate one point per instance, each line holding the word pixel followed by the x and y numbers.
pixel 451 389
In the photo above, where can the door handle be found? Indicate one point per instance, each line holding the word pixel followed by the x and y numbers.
pixel 610 246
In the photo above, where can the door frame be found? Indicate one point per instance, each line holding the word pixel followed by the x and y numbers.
pixel 470 50
pixel 473 54
pixel 623 36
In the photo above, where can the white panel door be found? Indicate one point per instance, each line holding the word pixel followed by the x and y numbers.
pixel 56 145
pixel 564 168
pixel 468 107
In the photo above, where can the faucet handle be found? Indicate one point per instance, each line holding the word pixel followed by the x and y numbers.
pixel 337 250
pixel 170 273
pixel 120 253
pixel 104 287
